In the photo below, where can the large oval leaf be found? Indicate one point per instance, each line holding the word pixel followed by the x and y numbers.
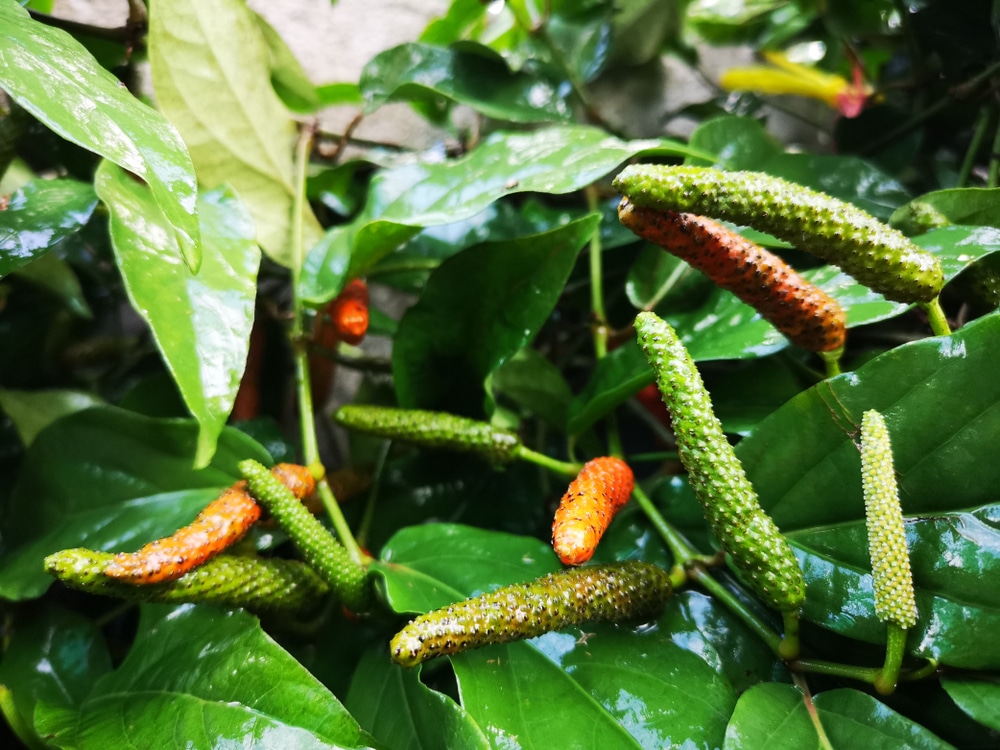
pixel 201 322
pixel 53 76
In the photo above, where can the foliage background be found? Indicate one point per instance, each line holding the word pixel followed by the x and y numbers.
pixel 121 365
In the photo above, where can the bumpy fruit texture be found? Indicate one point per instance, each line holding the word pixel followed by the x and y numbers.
pixel 894 597
pixel 221 524
pixel 837 232
pixel 433 429
pixel 602 487
pixel 349 312
pixel 324 553
pixel 618 591
pixel 254 583
pixel 803 312
pixel 744 530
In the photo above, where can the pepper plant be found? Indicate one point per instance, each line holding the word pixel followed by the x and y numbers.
pixel 168 260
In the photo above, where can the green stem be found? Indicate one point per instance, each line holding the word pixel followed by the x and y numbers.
pixel 888 676
pixel 936 318
pixel 922 673
pixel 340 524
pixel 789 648
pixel 597 282
pixel 982 121
pixel 734 605
pixel 679 547
pixel 565 468
pixel 833 669
pixel 658 456
pixel 832 361
pixel 824 741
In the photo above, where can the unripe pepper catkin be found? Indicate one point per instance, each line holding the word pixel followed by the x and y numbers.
pixel 803 312
pixel 433 429
pixel 253 583
pixel 618 591
pixel 878 256
pixel 893 580
pixel 602 487
pixel 755 545
pixel 326 555
pixel 221 524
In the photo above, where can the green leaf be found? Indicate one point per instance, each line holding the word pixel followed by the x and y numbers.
pixel 736 142
pixel 555 160
pixel 971 206
pixel 479 308
pixel 290 81
pixel 396 708
pixel 54 78
pixel 205 677
pixel 54 657
pixel 52 273
pixel 32 411
pixel 977 695
pixel 39 215
pixel 201 322
pixel 107 479
pixel 775 716
pixel 532 381
pixel 563 689
pixel 215 88
pixel 942 406
pixel 479 79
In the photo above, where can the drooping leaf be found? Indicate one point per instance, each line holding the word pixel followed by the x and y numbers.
pixel 398 710
pixel 401 200
pixel 479 79
pixel 39 215
pixel 215 88
pixel 479 308
pixel 201 322
pixel 977 695
pixel 54 78
pixel 204 676
pixel 107 479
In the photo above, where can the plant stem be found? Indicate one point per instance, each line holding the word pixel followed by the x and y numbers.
pixel 862 674
pixel 564 468
pixel 982 121
pixel 734 605
pixel 936 318
pixel 800 683
pixel 597 282
pixel 832 361
pixel 895 645
pixel 679 547
pixel 789 648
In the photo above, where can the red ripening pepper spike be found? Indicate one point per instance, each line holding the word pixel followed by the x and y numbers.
pixel 221 524
pixel 602 487
pixel 349 312
pixel 803 312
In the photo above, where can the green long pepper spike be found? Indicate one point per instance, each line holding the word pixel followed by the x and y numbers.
pixel 618 591
pixel 325 555
pixel 433 429
pixel 256 584
pixel 744 530
pixel 880 257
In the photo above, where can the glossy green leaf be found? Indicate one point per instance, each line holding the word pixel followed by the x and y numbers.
pixel 479 80
pixel 54 656
pixel 775 716
pixel 215 88
pixel 32 411
pixel 942 406
pixel 593 686
pixel 205 677
pixel 108 479
pixel 978 696
pixel 735 142
pixel 532 381
pixel 52 76
pixel 971 206
pixel 52 273
pixel 399 711
pixel 480 307
pixel 39 215
pixel 557 159
pixel 201 322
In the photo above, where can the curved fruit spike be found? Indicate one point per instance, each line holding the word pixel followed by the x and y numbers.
pixel 838 232
pixel 325 554
pixel 602 487
pixel 619 591
pixel 254 583
pixel 744 530
pixel 433 429
pixel 803 312
pixel 893 580
pixel 221 524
